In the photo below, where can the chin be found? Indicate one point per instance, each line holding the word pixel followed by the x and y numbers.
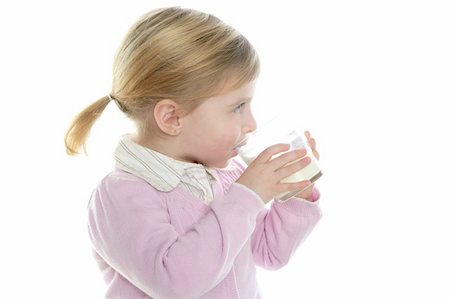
pixel 222 164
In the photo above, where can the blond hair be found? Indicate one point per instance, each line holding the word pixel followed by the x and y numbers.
pixel 171 53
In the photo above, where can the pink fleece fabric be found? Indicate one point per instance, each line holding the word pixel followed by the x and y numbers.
pixel 152 244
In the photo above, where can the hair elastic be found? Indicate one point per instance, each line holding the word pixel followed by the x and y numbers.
pixel 121 107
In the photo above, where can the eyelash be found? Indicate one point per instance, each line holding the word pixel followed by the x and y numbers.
pixel 239 107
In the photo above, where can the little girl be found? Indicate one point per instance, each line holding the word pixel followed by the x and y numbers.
pixel 179 217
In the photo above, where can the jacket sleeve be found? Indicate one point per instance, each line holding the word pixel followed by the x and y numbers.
pixel 281 229
pixel 131 230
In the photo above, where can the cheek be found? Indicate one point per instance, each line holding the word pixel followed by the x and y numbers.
pixel 229 139
pixel 221 143
pixel 220 136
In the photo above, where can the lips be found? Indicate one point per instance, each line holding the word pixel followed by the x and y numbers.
pixel 240 144
pixel 235 150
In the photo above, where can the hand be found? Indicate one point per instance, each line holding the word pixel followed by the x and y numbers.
pixel 264 174
pixel 307 193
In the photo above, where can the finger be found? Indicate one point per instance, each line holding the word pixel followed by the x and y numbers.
pixel 306 192
pixel 292 168
pixel 312 143
pixel 288 157
pixel 307 134
pixel 316 154
pixel 267 154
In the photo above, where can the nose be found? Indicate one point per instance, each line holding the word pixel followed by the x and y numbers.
pixel 249 124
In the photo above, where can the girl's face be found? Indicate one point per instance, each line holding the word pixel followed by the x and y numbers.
pixel 213 130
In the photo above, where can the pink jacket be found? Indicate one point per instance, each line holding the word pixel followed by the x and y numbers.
pixel 152 244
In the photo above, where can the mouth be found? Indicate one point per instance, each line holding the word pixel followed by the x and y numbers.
pixel 241 144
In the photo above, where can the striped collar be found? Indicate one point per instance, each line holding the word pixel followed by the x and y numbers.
pixel 162 172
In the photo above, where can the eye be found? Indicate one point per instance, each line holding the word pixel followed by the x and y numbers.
pixel 239 108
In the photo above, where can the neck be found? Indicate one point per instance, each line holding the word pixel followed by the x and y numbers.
pixel 170 146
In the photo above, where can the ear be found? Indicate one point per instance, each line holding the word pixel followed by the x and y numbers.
pixel 167 116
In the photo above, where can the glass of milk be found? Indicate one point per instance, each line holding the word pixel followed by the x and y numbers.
pixel 274 133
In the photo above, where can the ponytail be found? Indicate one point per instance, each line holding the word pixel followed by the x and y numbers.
pixel 78 132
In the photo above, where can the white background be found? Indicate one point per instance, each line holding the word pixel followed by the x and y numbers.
pixel 370 80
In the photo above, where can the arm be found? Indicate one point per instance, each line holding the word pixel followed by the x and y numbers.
pixel 131 229
pixel 280 230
